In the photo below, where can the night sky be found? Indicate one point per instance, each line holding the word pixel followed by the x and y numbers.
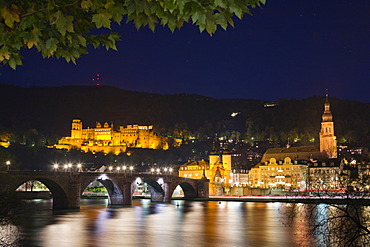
pixel 287 49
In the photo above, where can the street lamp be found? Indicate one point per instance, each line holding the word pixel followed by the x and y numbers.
pixel 131 168
pixel 65 167
pixel 7 163
pixel 56 167
pixel 79 167
pixel 69 166
pixel 110 168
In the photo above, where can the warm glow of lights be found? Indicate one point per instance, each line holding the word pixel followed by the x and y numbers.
pixel 138 180
pixel 103 177
pixel 160 181
pixel 108 140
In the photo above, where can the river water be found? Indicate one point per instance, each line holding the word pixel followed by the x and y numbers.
pixel 180 223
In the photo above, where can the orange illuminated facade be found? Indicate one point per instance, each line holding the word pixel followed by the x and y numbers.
pixel 217 170
pixel 279 174
pixel 104 138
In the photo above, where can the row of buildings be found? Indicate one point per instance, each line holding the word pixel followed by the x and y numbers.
pixel 305 168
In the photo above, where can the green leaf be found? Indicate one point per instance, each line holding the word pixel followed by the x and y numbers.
pixel 117 13
pixel 102 19
pixel 69 24
pixel 12 63
pixel 51 46
pixel 61 23
pixel 237 11
pixel 109 4
pixel 82 40
pixel 221 20
pixel 220 3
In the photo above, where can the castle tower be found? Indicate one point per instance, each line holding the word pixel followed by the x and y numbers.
pixel 76 131
pixel 328 141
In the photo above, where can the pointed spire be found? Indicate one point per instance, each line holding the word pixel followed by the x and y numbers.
pixel 327 116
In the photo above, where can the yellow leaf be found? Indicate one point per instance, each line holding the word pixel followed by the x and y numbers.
pixel 4 54
pixel 85 4
pixel 31 43
pixel 9 16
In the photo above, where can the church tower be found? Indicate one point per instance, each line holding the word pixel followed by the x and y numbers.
pixel 328 141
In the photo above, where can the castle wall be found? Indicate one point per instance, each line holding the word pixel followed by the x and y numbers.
pixel 106 139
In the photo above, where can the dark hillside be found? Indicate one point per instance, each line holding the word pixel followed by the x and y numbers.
pixel 49 110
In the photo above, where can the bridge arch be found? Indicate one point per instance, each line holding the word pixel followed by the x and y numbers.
pixel 188 189
pixel 60 198
pixel 155 188
pixel 115 195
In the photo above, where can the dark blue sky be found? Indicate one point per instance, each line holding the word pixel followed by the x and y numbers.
pixel 288 49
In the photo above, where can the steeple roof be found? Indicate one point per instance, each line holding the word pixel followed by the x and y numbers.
pixel 327 116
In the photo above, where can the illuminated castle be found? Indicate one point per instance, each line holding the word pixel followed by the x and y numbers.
pixel 103 138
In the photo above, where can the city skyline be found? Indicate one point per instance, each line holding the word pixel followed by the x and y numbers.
pixel 285 50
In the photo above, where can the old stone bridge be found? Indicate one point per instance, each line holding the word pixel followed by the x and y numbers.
pixel 67 187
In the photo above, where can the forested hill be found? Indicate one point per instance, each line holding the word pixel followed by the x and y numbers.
pixel 49 111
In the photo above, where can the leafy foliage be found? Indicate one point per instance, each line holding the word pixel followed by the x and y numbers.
pixel 65 28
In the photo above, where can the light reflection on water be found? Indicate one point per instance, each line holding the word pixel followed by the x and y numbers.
pixel 179 223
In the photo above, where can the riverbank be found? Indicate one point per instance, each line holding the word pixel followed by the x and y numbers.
pixel 365 201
